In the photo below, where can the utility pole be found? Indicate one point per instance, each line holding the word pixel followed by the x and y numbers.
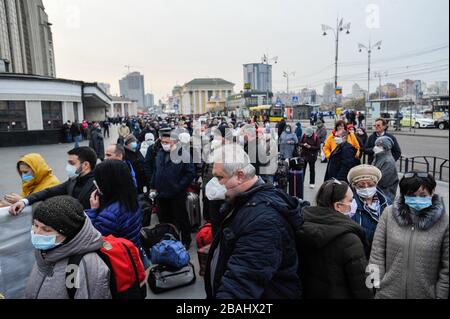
pixel 286 74
pixel 379 75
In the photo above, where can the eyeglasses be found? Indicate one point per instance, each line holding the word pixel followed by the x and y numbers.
pixel 418 174
pixel 335 181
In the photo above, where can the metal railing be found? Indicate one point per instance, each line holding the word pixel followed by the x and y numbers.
pixel 436 166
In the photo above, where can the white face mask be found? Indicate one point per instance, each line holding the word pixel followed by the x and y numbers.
pixel 353 209
pixel 338 140
pixel 378 149
pixel 214 190
pixel 166 147
pixel 366 192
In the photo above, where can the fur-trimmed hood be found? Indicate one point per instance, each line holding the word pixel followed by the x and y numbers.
pixel 426 219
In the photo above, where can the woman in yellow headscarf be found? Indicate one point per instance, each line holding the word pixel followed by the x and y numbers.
pixel 36 176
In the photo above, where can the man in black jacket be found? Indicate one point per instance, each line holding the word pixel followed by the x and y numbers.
pixel 97 142
pixel 80 185
pixel 381 126
pixel 254 255
pixel 75 131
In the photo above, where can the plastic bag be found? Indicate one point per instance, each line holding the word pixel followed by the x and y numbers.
pixel 16 253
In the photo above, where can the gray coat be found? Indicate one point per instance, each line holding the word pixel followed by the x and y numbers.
pixel 48 278
pixel 389 182
pixel 412 256
pixel 286 149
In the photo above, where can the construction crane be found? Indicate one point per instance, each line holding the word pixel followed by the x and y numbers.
pixel 131 66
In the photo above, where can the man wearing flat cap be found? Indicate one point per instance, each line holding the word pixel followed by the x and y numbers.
pixel 170 181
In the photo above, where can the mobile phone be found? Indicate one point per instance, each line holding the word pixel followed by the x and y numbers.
pixel 98 188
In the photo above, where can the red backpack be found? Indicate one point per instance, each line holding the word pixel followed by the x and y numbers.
pixel 124 262
pixel 204 236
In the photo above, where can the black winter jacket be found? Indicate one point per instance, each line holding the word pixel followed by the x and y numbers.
pixel 137 162
pixel 342 160
pixel 79 188
pixel 257 256
pixel 333 255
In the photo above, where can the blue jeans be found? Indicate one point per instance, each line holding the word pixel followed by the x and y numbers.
pixel 77 141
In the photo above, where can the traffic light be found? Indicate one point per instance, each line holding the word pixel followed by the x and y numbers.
pixel 338 91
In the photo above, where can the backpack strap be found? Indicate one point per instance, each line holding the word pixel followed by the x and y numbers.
pixel 136 274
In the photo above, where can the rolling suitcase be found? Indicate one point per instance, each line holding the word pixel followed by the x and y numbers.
pixel 193 209
pixel 163 278
pixel 296 184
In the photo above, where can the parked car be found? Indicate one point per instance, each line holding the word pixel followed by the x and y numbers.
pixel 442 123
pixel 418 121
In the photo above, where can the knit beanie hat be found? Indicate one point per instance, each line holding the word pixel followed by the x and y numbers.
pixel 63 213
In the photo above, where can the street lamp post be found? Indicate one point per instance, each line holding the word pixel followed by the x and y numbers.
pixel 287 74
pixel 369 52
pixel 266 60
pixel 340 27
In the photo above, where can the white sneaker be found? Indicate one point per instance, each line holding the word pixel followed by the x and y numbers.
pixel 312 186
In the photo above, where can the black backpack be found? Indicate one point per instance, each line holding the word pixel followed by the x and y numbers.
pixel 150 236
pixel 282 174
pixel 303 204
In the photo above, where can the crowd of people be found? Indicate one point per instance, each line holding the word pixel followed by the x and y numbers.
pixel 368 234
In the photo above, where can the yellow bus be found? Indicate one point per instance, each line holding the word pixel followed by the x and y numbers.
pixel 275 114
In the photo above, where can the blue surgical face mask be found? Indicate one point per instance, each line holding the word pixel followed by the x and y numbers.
pixel 42 242
pixel 27 177
pixel 134 146
pixel 418 204
pixel 72 171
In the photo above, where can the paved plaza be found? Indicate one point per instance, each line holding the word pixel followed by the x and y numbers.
pixel 56 156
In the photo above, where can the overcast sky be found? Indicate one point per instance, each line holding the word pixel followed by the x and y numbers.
pixel 174 41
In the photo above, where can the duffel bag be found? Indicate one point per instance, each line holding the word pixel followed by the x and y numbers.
pixel 170 252
pixel 297 164
pixel 163 278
